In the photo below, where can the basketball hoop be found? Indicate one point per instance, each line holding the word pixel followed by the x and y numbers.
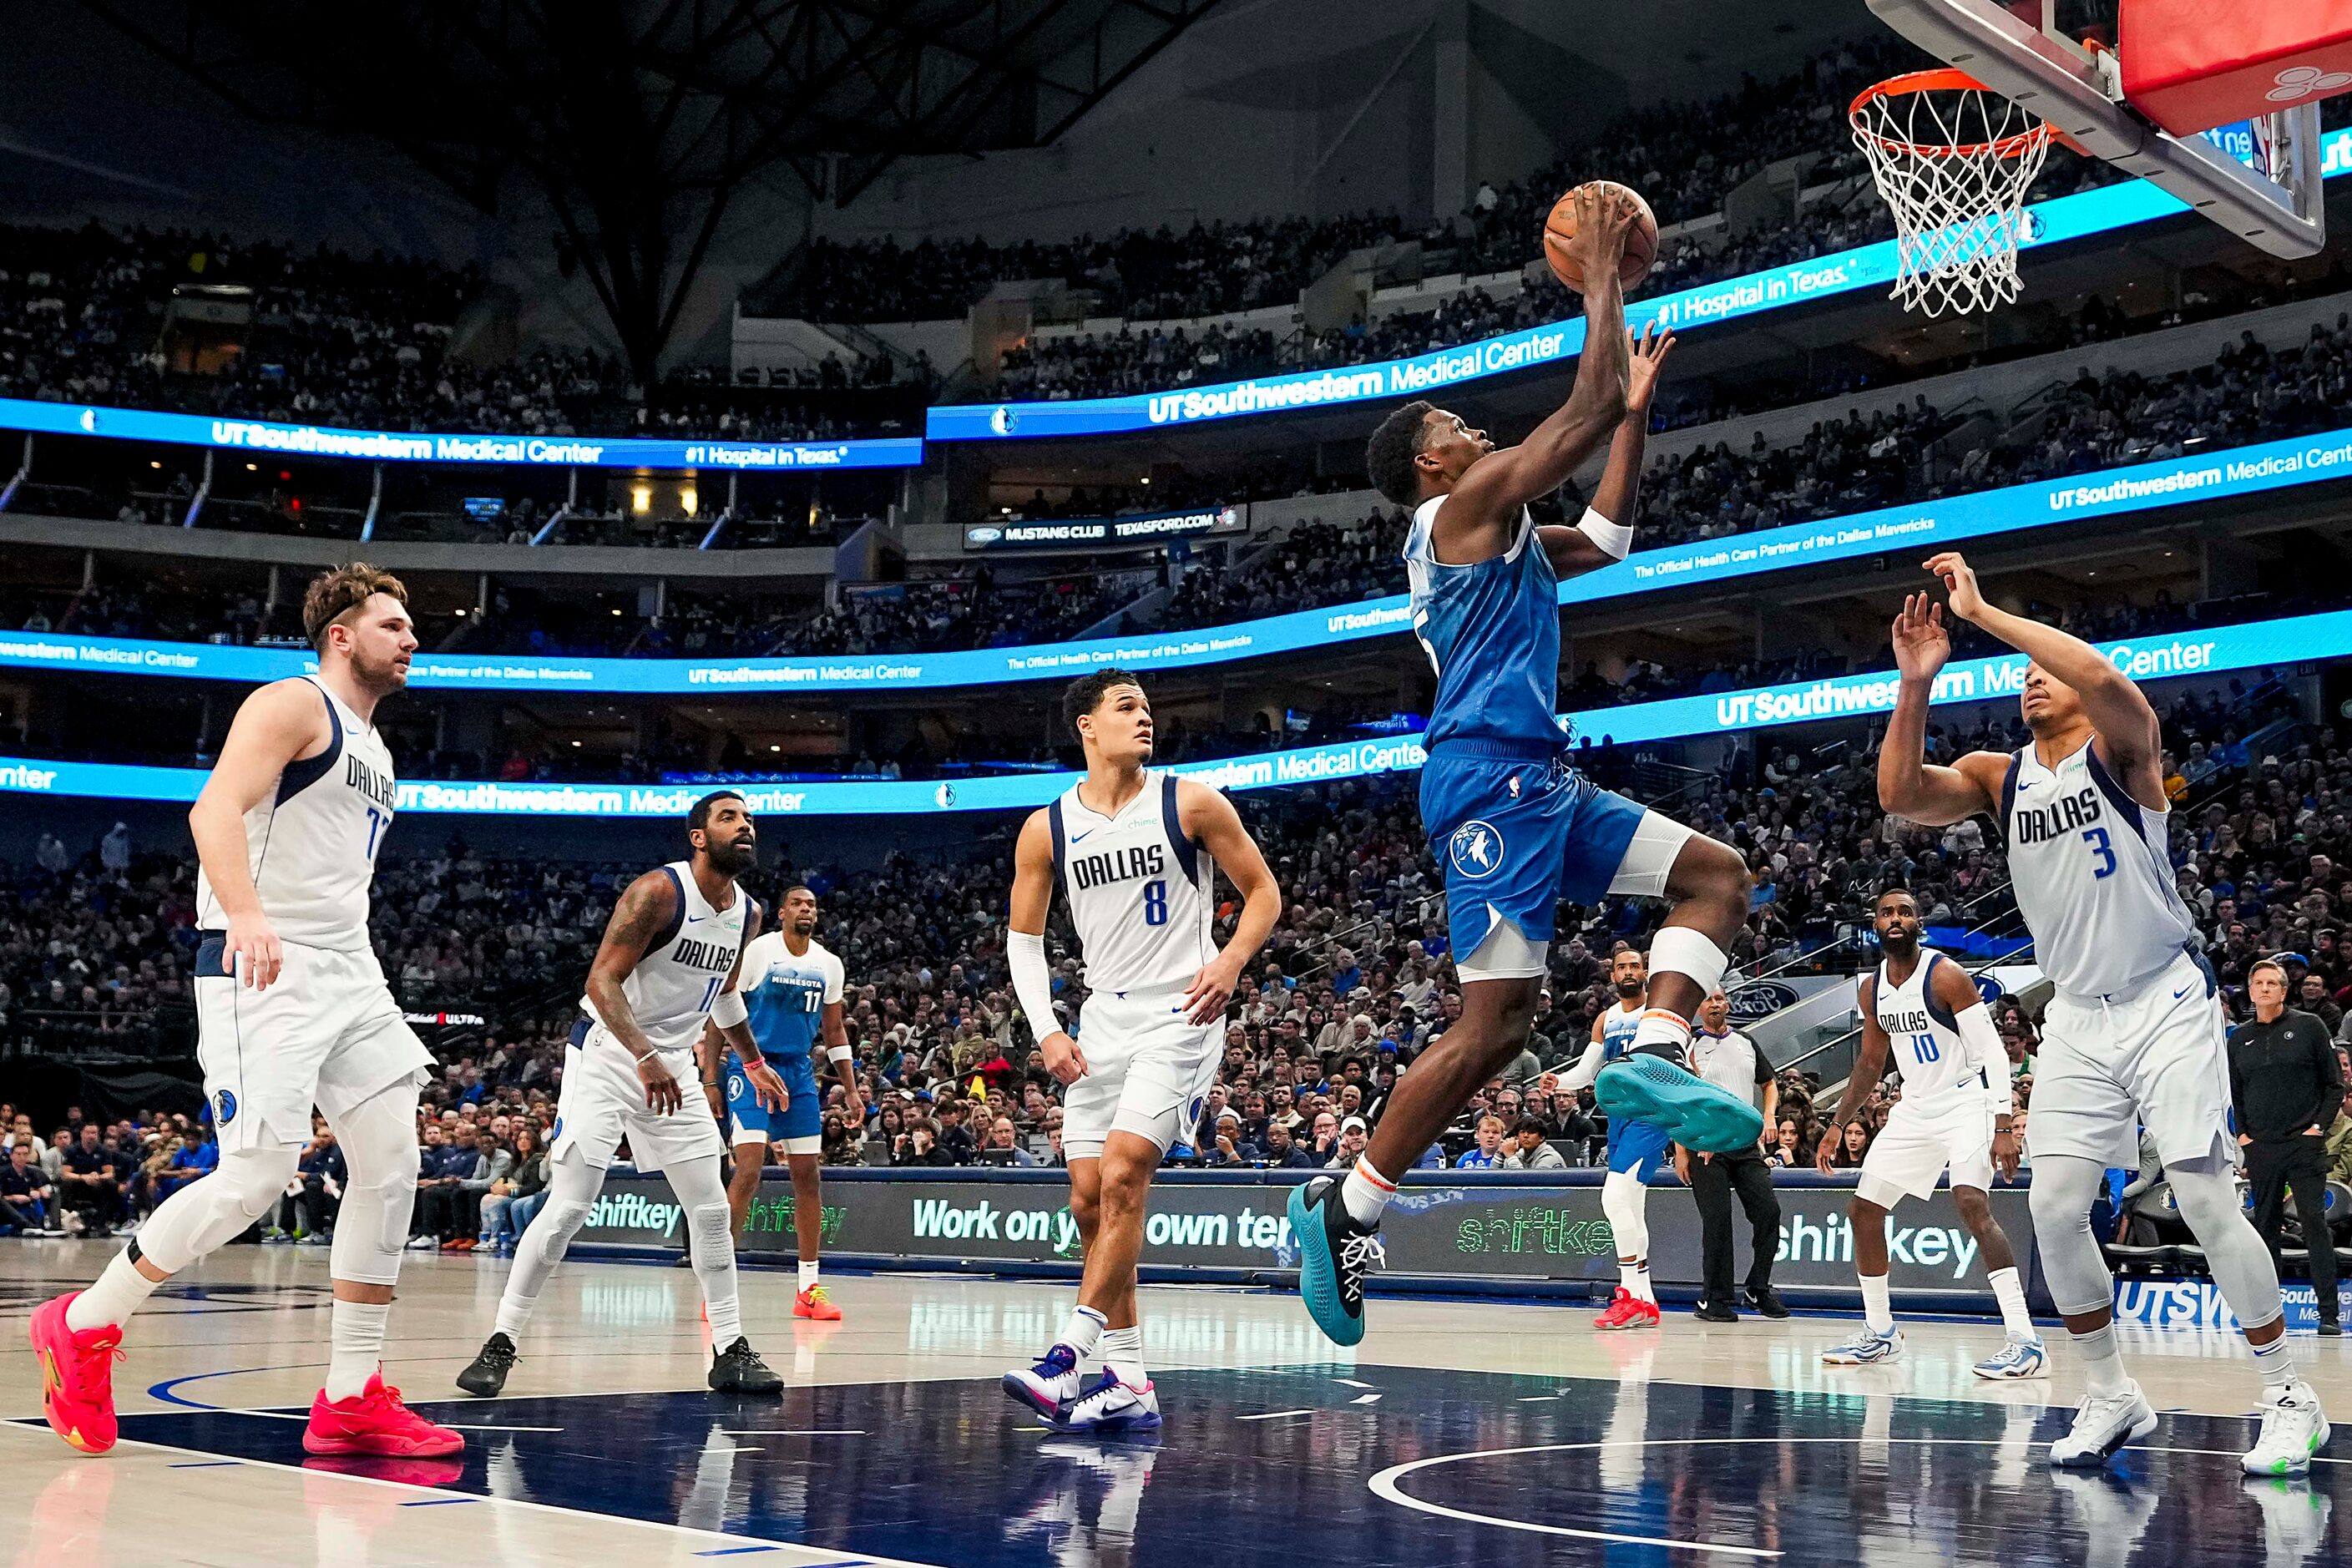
pixel 1954 159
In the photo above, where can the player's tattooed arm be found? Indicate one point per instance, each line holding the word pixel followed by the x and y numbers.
pixel 278 724
pixel 1490 493
pixel 1908 784
pixel 646 910
pixel 1210 819
pixel 2130 740
pixel 1869 1067
pixel 1604 537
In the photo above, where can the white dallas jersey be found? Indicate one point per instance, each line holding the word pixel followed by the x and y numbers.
pixel 1140 891
pixel 671 989
pixel 2093 874
pixel 311 844
pixel 1923 1040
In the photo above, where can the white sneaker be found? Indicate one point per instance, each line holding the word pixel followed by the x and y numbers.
pixel 2293 1429
pixel 1867 1348
pixel 1106 1404
pixel 2294 1518
pixel 424 1244
pixel 2023 1356
pixel 2102 1427
pixel 1048 1386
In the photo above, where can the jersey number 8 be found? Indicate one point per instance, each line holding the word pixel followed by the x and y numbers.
pixel 1155 903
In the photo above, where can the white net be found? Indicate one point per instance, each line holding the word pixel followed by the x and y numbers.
pixel 1954 161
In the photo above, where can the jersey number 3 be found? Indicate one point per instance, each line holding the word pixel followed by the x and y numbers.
pixel 1155 903
pixel 2096 837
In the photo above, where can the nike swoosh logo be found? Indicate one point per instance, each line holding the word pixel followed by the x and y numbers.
pixel 1076 837
pixel 692 918
pixel 2179 994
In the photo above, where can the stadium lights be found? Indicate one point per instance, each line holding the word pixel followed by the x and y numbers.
pixel 641 499
pixel 686 497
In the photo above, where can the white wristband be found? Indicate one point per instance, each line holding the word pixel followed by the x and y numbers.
pixel 727 1009
pixel 1614 539
pixel 834 1053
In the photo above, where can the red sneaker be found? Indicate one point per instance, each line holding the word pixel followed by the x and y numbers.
pixel 1627 1312
pixel 817 1304
pixel 374 1421
pixel 77 1376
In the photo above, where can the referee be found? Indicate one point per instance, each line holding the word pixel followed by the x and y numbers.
pixel 1730 1059
pixel 2286 1085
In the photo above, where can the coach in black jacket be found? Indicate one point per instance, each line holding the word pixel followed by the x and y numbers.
pixel 2286 1085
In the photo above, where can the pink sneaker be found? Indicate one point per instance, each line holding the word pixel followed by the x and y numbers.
pixel 375 1422
pixel 76 1375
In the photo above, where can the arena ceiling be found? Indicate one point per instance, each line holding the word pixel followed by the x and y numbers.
pixel 640 120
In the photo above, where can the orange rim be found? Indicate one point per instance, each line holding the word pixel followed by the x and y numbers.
pixel 1945 78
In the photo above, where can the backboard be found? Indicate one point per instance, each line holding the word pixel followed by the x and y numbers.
pixel 2063 67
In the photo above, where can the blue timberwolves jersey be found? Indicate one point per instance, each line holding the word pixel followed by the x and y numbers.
pixel 1617 1028
pixel 785 995
pixel 1493 633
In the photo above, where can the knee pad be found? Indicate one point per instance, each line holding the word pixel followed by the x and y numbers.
pixel 554 1227
pixel 710 1233
pixel 210 1214
pixel 1622 1199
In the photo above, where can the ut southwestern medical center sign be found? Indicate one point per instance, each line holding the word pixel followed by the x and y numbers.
pixel 2286 642
pixel 1872 266
pixel 278 440
pixel 1922 526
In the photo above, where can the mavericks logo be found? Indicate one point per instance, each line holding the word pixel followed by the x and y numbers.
pixel 224 1108
pixel 1475 850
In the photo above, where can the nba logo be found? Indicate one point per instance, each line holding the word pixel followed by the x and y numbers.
pixel 1514 786
pixel 224 1108
pixel 1475 850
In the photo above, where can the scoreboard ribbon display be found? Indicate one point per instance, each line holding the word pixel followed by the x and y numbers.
pixel 2283 643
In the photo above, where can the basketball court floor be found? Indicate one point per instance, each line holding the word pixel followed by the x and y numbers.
pixel 1459 1432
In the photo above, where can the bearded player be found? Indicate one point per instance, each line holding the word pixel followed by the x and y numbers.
pixel 2134 1035
pixel 292 1011
pixel 667 966
pixel 1517 828
pixel 1922 1011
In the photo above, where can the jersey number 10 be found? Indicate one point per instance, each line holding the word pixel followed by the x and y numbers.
pixel 1925 1049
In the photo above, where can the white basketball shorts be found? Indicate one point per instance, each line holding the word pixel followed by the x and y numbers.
pixel 1920 1144
pixel 1148 1071
pixel 603 1100
pixel 326 1032
pixel 2108 1064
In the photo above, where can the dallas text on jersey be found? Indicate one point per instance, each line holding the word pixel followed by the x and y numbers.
pixel 1120 866
pixel 2059 818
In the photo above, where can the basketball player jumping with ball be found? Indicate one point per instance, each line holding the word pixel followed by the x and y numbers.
pixel 1517 828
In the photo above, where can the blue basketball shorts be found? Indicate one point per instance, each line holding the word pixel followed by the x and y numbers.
pixel 1639 1149
pixel 800 1122
pixel 1518 830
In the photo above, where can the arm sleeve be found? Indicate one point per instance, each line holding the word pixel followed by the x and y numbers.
pixel 1025 953
pixel 1986 1050
pixel 726 1009
pixel 1586 1068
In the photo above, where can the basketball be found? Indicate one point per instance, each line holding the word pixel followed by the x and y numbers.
pixel 1641 244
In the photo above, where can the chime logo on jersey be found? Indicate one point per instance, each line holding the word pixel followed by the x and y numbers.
pixel 703 955
pixel 2060 818
pixel 1120 866
pixel 1477 849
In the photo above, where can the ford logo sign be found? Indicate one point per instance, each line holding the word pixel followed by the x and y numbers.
pixel 983 535
pixel 1761 999
pixel 1991 989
